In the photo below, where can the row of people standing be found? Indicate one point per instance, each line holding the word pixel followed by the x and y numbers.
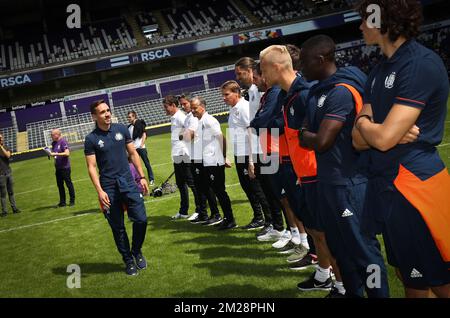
pixel 354 155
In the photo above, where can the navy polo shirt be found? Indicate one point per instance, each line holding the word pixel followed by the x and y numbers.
pixel 414 76
pixel 339 164
pixel 109 148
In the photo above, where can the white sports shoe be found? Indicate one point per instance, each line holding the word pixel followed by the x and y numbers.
pixel 284 239
pixel 179 216
pixel 193 216
pixel 272 235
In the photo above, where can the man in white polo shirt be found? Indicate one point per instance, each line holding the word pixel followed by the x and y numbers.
pixel 180 156
pixel 238 123
pixel 192 136
pixel 214 163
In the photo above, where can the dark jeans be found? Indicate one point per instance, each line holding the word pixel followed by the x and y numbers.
pixel 6 187
pixel 252 189
pixel 215 177
pixel 63 175
pixel 143 154
pixel 205 192
pixel 185 179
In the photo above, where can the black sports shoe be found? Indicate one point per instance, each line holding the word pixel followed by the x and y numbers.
pixel 289 248
pixel 15 211
pixel 213 220
pixel 200 219
pixel 226 225
pixel 265 230
pixel 3 215
pixel 254 224
pixel 313 284
pixel 334 293
pixel 304 263
pixel 141 262
pixel 131 269
pixel 71 203
pixel 60 205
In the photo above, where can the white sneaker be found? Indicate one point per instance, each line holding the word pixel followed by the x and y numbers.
pixel 193 216
pixel 179 216
pixel 284 239
pixel 272 235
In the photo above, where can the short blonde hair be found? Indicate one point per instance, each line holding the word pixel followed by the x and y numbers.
pixel 277 54
pixel 232 86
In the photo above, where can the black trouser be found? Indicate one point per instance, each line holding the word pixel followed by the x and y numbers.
pixel 205 192
pixel 275 217
pixel 63 175
pixel 143 154
pixel 185 179
pixel 215 177
pixel 6 187
pixel 252 189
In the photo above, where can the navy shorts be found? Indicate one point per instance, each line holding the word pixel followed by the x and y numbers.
pixel 409 244
pixel 311 216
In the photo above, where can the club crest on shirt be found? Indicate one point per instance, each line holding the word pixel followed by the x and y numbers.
pixel 389 82
pixel 292 111
pixel 101 144
pixel 118 136
pixel 211 177
pixel 321 101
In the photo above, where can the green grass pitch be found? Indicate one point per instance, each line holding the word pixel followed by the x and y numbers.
pixel 185 260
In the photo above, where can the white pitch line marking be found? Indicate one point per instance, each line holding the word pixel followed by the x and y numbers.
pixel 76 216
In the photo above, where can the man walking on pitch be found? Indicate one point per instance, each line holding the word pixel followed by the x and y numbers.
pixel 107 147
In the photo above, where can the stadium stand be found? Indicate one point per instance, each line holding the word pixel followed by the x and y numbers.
pixel 188 22
pixel 278 10
pixel 37 47
pixel 29 46
pixel 10 137
pixel 36 138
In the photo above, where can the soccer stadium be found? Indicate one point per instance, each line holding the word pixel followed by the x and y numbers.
pixel 141 57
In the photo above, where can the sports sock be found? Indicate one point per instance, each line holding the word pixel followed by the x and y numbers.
pixel 304 240
pixel 322 274
pixel 340 287
pixel 295 236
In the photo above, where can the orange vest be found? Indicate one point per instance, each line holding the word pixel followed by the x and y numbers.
pixel 356 97
pixel 303 159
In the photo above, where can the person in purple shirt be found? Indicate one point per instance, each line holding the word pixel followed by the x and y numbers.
pixel 136 176
pixel 60 151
